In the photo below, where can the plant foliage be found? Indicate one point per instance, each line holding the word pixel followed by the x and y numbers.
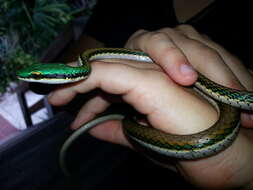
pixel 26 29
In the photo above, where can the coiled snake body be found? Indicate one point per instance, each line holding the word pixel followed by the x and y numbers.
pixel 208 142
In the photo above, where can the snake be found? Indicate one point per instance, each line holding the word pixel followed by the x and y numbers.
pixel 153 142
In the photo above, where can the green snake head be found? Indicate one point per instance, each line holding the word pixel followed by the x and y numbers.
pixel 55 73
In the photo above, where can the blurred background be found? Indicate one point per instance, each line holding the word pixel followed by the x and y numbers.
pixel 32 31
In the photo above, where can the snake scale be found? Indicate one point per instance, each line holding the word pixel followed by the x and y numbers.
pixel 227 102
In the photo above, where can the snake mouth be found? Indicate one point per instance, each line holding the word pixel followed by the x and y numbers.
pixel 40 76
pixel 54 78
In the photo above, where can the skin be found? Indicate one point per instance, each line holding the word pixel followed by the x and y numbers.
pixel 158 92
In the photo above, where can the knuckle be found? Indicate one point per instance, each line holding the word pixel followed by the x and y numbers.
pixel 139 32
pixel 203 49
pixel 166 30
pixel 157 36
pixel 207 51
pixel 169 52
pixel 185 27
pixel 137 39
pixel 188 30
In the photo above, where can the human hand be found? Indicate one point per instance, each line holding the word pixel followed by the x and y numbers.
pixel 151 92
pixel 171 48
pixel 183 48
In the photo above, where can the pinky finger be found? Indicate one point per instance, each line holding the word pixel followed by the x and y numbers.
pixel 88 111
pixel 110 131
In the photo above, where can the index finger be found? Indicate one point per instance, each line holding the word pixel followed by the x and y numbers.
pixel 164 52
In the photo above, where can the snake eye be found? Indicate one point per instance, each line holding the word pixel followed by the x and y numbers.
pixel 36 74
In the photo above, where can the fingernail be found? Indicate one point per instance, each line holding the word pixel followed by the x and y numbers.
pixel 186 69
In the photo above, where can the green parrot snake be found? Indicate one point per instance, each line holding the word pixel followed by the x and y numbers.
pixel 227 102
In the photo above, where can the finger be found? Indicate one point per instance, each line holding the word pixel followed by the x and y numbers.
pixel 206 60
pixel 110 131
pixel 240 71
pixel 89 111
pixel 134 85
pixel 62 95
pixel 135 64
pixel 131 41
pixel 65 93
pixel 164 52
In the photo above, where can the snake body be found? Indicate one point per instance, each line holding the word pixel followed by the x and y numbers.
pixel 194 146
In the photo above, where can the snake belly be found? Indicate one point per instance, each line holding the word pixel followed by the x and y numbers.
pixel 193 146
